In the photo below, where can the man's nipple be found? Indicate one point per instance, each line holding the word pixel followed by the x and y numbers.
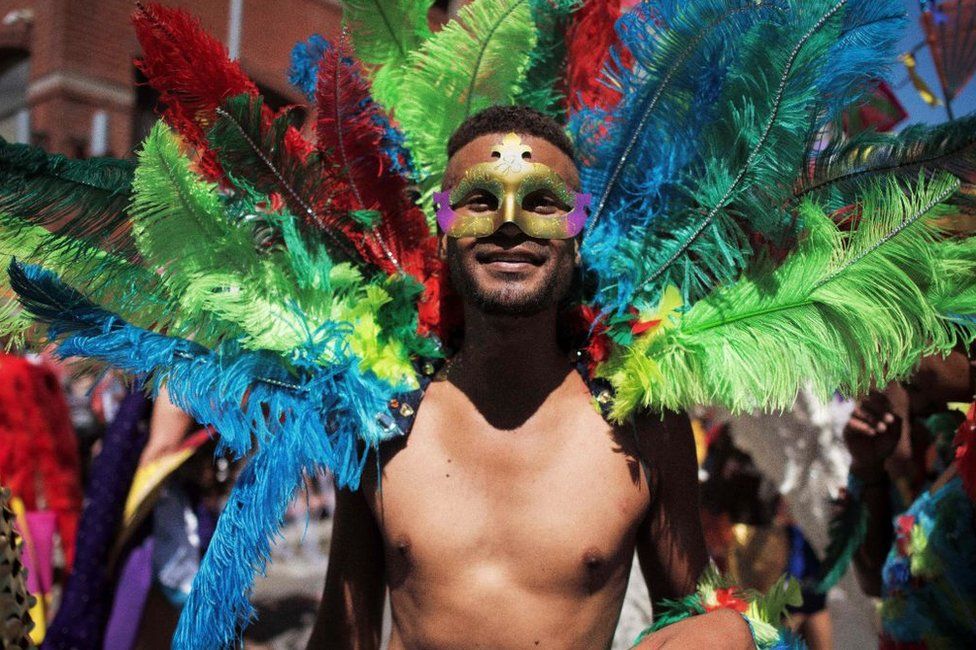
pixel 595 565
pixel 402 546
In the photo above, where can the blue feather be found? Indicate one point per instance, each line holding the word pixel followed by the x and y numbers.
pixel 219 608
pixel 394 145
pixel 247 396
pixel 300 418
pixel 306 55
pixel 719 110
pixel 866 48
pixel 634 157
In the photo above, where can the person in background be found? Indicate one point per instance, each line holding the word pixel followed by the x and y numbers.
pixel 39 463
pixel 151 506
pixel 922 565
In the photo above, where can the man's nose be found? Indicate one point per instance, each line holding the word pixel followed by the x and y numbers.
pixel 509 230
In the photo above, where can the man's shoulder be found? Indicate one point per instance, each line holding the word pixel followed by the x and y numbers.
pixel 663 438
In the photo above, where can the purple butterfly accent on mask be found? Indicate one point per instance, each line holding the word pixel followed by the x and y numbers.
pixel 576 219
pixel 445 213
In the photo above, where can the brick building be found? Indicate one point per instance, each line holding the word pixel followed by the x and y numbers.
pixel 67 79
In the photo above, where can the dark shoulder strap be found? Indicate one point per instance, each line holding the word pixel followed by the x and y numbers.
pixel 403 406
pixel 600 389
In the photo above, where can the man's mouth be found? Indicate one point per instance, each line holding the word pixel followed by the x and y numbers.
pixel 510 260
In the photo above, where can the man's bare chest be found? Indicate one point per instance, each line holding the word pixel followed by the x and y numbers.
pixel 545 508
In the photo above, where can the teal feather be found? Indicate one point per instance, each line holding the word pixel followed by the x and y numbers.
pixel 79 199
pixel 847 531
pixel 846 166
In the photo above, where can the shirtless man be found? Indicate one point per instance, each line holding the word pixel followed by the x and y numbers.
pixel 509 515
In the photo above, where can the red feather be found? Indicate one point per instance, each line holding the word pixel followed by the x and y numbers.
pixel 192 72
pixel 589 38
pixel 350 138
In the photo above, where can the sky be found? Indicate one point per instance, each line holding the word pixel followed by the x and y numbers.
pixel 918 110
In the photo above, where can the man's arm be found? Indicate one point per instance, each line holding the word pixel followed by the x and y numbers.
pixel 168 426
pixel 351 613
pixel 670 541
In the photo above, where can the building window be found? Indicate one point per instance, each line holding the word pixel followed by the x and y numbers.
pixel 14 112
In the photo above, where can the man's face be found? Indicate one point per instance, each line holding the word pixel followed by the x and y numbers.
pixel 509 273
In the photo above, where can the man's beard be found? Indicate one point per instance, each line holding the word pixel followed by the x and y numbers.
pixel 511 300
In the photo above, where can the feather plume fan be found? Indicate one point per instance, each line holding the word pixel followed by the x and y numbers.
pixel 256 402
pixel 210 265
pixel 633 154
pixel 848 309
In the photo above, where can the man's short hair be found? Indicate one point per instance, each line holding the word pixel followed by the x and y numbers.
pixel 503 119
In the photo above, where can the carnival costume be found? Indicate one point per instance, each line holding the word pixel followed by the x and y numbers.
pixel 287 290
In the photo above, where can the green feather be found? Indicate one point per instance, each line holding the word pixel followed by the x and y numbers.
pixel 848 309
pixel 384 33
pixel 209 264
pixel 476 61
pixel 547 63
pixel 772 605
pixel 954 293
pixel 766 612
pixel 669 611
pixel 273 299
pixel 81 199
pixel 106 279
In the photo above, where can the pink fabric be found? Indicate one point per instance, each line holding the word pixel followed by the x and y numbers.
pixel 38 554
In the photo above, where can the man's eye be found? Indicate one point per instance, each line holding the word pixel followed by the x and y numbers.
pixel 542 203
pixel 480 202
